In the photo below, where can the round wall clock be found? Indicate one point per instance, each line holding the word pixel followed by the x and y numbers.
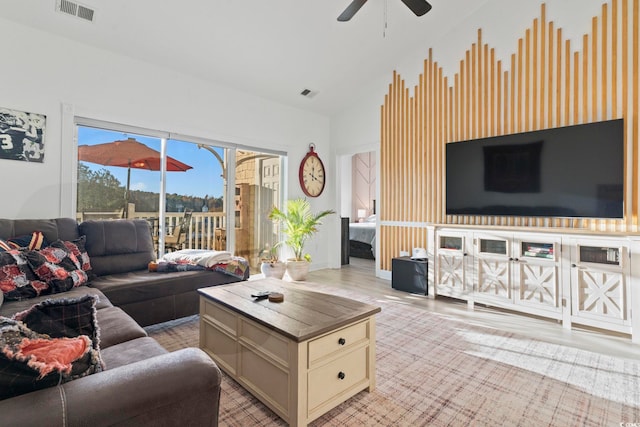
pixel 311 174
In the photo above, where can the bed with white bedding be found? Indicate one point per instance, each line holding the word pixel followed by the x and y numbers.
pixel 362 238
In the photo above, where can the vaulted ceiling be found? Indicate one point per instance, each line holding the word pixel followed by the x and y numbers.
pixel 270 48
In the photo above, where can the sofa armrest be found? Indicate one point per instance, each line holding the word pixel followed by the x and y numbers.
pixel 178 388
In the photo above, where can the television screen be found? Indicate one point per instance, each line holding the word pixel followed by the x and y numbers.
pixel 572 171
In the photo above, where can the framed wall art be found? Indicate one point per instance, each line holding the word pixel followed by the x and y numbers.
pixel 22 135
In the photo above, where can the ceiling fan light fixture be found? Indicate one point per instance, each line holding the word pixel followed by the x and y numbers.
pixel 418 7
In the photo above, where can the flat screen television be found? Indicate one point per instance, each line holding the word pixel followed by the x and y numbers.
pixel 572 171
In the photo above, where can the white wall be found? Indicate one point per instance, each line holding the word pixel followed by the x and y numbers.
pixel 41 73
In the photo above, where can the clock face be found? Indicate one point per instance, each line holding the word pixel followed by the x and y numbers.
pixel 312 177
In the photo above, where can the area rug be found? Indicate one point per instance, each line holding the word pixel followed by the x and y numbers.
pixel 436 370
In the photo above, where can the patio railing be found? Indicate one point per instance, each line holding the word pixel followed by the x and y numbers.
pixel 205 230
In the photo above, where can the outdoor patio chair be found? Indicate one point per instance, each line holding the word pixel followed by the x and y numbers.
pixel 175 240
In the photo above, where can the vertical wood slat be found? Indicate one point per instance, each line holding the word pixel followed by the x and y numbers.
pixel 553 77
pixel 636 105
pixel 585 79
pixel 614 59
pixel 534 77
pixel 547 85
pixel 544 54
pixel 605 61
pixel 594 70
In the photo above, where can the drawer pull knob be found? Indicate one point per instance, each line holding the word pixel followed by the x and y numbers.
pixel 342 341
pixel 341 375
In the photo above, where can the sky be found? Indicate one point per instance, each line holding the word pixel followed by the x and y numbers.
pixel 204 179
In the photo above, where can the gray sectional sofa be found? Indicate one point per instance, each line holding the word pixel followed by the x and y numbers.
pixel 120 251
pixel 141 383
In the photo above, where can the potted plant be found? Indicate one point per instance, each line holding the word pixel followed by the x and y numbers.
pixel 270 265
pixel 298 224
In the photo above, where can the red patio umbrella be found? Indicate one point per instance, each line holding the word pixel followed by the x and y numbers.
pixel 128 153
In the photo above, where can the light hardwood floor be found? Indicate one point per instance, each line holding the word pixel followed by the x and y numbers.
pixel 360 274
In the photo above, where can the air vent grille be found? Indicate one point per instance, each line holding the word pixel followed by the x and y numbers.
pixel 75 9
pixel 308 93
pixel 68 7
pixel 85 13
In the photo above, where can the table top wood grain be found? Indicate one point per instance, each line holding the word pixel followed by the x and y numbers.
pixel 304 314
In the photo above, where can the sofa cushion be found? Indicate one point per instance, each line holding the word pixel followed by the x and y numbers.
pixel 131 351
pixel 10 308
pixel 17 279
pixel 53 229
pixel 118 246
pixel 57 266
pixel 144 285
pixel 117 327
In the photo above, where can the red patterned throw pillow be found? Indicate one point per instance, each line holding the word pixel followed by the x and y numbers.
pixel 17 279
pixel 58 267
pixel 78 248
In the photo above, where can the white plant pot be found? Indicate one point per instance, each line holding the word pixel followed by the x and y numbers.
pixel 273 269
pixel 298 270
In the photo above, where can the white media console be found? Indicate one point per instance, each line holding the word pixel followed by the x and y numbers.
pixel 580 277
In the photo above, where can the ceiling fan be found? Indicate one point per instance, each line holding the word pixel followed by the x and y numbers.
pixel 419 7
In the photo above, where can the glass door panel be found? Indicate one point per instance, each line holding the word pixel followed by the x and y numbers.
pixel 118 175
pixel 258 189
pixel 196 194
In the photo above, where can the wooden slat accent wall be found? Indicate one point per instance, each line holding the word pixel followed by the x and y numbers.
pixel 401 238
pixel 545 83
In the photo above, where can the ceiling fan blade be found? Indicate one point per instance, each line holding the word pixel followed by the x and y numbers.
pixel 351 10
pixel 419 7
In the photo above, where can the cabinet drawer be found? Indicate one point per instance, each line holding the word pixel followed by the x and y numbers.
pixel 328 381
pixel 226 319
pixel 264 341
pixel 264 378
pixel 338 341
pixel 220 346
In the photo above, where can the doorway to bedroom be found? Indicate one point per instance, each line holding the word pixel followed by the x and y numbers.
pixel 358 172
pixel 362 229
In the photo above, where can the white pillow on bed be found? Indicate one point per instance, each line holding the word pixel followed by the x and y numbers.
pixel 371 218
pixel 201 257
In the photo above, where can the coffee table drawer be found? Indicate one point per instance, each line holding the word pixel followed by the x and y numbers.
pixel 221 347
pixel 329 381
pixel 225 319
pixel 338 341
pixel 262 340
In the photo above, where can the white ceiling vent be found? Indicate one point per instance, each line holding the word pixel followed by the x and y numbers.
pixel 75 9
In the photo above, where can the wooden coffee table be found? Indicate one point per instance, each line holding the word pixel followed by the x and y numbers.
pixel 300 357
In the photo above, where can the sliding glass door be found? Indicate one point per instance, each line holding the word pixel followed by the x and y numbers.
pixel 119 176
pixel 258 189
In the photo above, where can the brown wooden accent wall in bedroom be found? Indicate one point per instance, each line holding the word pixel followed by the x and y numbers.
pixel 546 83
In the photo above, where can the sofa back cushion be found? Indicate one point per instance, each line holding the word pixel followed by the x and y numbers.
pixel 118 246
pixel 53 229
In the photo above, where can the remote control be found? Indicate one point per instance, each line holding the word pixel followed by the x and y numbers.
pixel 261 295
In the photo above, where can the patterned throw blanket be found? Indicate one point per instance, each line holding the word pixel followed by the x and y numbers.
pixel 235 266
